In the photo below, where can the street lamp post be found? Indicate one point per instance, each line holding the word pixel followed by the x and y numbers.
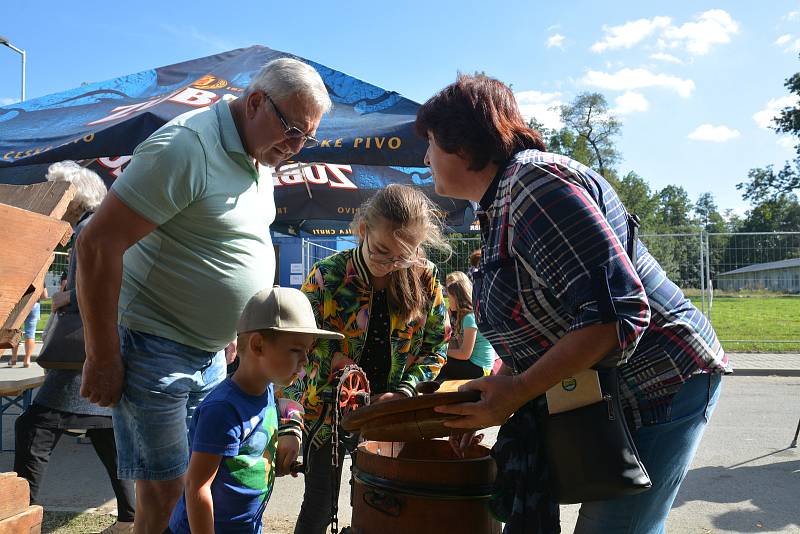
pixel 4 41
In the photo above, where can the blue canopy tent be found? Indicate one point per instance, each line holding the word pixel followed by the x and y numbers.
pixel 367 140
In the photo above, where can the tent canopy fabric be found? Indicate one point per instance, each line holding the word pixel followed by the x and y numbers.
pixel 367 125
pixel 367 139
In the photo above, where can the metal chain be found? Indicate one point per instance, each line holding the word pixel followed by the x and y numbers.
pixel 336 415
pixel 335 457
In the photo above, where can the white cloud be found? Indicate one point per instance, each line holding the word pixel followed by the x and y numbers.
pixel 716 134
pixel 626 79
pixel 792 15
pixel 711 27
pixel 543 106
pixel 556 40
pixel 628 34
pixel 788 45
pixel 669 58
pixel 630 102
pixel 7 101
pixel 765 117
pixel 787 141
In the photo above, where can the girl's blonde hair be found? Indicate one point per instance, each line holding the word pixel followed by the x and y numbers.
pixel 410 214
pixel 459 288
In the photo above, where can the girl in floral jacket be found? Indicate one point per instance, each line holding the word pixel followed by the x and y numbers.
pixel 384 296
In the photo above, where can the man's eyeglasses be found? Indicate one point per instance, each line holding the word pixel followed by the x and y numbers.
pixel 293 132
pixel 398 263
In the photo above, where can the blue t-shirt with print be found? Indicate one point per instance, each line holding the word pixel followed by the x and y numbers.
pixel 243 429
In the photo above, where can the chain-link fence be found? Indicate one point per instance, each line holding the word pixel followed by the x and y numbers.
pixel 748 284
pixel 756 289
pixel 313 251
pixel 458 260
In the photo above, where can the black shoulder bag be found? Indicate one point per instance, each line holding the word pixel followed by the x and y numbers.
pixel 63 346
pixel 590 451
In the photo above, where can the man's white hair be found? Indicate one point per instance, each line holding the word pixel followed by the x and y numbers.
pixel 282 78
pixel 89 188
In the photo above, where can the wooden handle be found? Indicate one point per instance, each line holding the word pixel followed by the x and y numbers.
pixel 448 386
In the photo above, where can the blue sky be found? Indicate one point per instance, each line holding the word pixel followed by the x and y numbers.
pixel 694 83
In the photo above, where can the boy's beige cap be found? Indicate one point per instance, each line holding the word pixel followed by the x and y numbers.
pixel 283 309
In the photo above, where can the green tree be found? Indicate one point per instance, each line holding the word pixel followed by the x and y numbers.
pixel 708 215
pixel 639 199
pixel 673 210
pixel 589 132
pixel 776 214
pixel 788 121
pixel 765 184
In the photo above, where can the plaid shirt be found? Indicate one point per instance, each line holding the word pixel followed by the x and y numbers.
pixel 553 235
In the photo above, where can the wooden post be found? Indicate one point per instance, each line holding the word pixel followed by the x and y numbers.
pixel 17 516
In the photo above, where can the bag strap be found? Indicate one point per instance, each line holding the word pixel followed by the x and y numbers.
pixel 634 222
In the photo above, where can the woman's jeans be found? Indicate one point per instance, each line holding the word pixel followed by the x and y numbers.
pixel 667 450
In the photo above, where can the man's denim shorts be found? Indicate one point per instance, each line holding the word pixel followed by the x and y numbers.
pixel 31 321
pixel 164 382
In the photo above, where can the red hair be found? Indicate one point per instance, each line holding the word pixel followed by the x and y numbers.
pixel 477 118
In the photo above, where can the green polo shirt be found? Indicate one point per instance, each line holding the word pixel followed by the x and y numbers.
pixel 189 280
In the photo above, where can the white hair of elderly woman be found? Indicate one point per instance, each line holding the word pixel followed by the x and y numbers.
pixel 282 78
pixel 89 188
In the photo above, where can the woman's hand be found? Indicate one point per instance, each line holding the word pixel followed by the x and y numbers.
pixel 60 299
pixel 460 442
pixel 501 396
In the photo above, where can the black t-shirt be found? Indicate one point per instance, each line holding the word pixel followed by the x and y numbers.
pixel 376 357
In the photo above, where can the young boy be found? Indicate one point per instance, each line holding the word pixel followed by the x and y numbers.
pixel 234 431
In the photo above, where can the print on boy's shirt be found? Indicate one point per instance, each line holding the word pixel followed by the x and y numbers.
pixel 243 429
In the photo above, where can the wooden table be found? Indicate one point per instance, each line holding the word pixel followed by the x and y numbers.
pixel 16 390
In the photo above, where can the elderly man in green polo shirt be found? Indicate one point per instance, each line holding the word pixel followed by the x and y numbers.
pixel 169 261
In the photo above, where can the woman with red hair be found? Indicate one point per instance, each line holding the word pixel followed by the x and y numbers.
pixel 557 292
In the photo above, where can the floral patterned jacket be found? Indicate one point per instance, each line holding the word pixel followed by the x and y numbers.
pixel 341 295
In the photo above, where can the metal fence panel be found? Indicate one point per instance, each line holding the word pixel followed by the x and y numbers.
pixel 756 308
pixel 756 281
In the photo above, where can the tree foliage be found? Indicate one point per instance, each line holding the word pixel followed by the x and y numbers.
pixel 589 132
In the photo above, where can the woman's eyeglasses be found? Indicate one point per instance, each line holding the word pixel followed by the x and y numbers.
pixel 293 132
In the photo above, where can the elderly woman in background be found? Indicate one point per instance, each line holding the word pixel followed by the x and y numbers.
pixel 59 406
pixel 557 293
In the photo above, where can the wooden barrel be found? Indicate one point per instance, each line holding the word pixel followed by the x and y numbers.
pixel 422 487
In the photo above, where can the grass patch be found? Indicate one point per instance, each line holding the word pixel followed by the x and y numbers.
pixel 758 318
pixel 75 522
pixel 755 315
pixel 87 522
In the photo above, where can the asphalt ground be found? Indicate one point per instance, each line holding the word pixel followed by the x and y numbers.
pixel 744 478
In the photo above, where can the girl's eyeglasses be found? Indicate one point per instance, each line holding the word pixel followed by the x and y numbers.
pixel 401 262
